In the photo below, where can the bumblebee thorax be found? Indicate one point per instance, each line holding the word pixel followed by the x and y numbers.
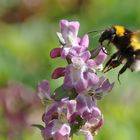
pixel 120 30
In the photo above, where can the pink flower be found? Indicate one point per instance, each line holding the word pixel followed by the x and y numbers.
pixel 80 75
pixel 17 102
pixel 104 86
pixel 73 108
pixel 88 110
pixel 56 120
pixel 89 130
pixel 78 50
pixel 90 113
pixel 63 108
pixel 71 45
pixel 56 130
pixel 69 32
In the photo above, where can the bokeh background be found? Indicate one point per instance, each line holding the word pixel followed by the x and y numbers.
pixel 28 33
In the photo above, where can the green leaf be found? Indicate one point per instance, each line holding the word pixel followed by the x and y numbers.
pixel 38 126
pixel 60 93
pixel 76 126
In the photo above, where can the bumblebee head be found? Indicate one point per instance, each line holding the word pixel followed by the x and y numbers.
pixel 108 34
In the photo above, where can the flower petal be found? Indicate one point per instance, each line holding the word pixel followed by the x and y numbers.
pixel 92 78
pixel 46 132
pixel 44 90
pixel 63 25
pixel 74 27
pixel 57 73
pixel 105 87
pixel 67 79
pixel 85 55
pixel 81 85
pixel 91 63
pixel 50 114
pixel 56 52
pixel 62 133
pixel 64 130
pixel 87 134
pixel 100 58
pixel 71 106
pixel 44 86
pixel 84 42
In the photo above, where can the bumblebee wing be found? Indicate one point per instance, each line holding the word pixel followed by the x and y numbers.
pixel 136 33
pixel 135 40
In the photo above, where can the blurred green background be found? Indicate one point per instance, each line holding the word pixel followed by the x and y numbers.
pixel 28 33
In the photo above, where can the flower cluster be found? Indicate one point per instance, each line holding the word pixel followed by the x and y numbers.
pixel 72 109
pixel 17 101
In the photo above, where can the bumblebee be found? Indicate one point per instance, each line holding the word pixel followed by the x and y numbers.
pixel 127 43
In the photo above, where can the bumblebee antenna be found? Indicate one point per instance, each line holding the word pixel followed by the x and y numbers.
pixel 99 32
pixel 96 35
pixel 94 31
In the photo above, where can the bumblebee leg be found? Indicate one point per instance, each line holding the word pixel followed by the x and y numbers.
pixel 121 72
pixel 137 53
pixel 110 60
pixel 127 65
pixel 112 65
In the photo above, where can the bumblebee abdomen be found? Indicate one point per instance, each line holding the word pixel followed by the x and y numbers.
pixel 135 66
pixel 135 42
